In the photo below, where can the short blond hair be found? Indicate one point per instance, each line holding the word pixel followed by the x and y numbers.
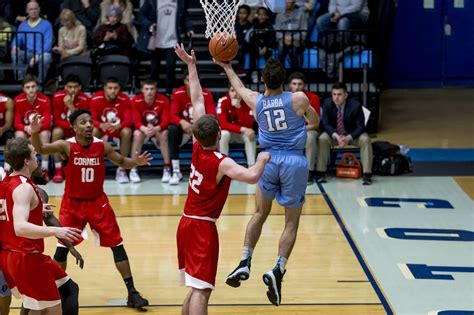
pixel 68 16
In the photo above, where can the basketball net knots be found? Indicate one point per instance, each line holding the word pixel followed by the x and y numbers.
pixel 220 18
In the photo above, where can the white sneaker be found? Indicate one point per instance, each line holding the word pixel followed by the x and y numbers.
pixel 134 177
pixel 121 176
pixel 166 176
pixel 176 178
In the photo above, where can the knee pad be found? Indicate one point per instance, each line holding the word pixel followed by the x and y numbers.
pixel 69 292
pixel 61 254
pixel 119 253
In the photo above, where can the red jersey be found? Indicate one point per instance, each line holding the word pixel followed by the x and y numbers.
pixel 10 241
pixel 158 113
pixel 3 108
pixel 232 118
pixel 206 198
pixel 314 101
pixel 24 111
pixel 114 112
pixel 61 112
pixel 85 170
pixel 182 108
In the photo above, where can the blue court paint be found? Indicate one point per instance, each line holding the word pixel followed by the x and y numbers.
pixel 442 155
pixel 421 256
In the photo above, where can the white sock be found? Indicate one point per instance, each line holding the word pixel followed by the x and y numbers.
pixel 247 252
pixel 44 164
pixel 7 167
pixel 281 261
pixel 175 164
pixel 58 165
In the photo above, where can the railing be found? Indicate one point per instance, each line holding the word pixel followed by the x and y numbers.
pixel 19 59
pixel 347 56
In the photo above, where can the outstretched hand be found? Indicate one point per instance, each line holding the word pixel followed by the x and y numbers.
pixel 144 159
pixel 36 123
pixel 183 55
pixel 78 256
pixel 224 65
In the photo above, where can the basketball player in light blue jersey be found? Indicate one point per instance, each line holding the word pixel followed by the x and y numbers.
pixel 281 118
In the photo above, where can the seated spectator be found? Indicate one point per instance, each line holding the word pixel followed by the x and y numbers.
pixel 28 104
pixel 112 116
pixel 5 27
pixel 151 111
pixel 113 37
pixel 72 36
pixel 242 27
pixel 125 5
pixel 342 124
pixel 6 122
pixel 236 120
pixel 296 83
pixel 65 102
pixel 344 15
pixel 34 48
pixel 181 123
pixel 291 43
pixel 86 11
pixel 261 40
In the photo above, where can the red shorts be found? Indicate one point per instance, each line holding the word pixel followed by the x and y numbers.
pixel 198 252
pixel 98 213
pixel 34 278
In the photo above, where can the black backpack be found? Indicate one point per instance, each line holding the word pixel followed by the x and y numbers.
pixel 388 160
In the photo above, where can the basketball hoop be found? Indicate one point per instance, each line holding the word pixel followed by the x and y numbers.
pixel 220 17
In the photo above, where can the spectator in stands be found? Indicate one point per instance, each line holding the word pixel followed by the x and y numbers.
pixel 291 43
pixel 296 83
pixel 72 36
pixel 113 37
pixel 127 13
pixel 112 117
pixel 181 122
pixel 28 104
pixel 237 122
pixel 242 27
pixel 5 28
pixel 65 102
pixel 158 37
pixel 36 47
pixel 86 11
pixel 261 38
pixel 151 117
pixel 342 124
pixel 344 15
pixel 6 122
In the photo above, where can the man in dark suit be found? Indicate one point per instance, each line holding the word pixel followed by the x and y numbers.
pixel 342 124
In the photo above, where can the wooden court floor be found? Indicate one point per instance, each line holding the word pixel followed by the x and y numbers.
pixel 323 277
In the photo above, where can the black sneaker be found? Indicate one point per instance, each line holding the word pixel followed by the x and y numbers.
pixel 321 178
pixel 311 176
pixel 135 300
pixel 367 179
pixel 241 273
pixel 273 281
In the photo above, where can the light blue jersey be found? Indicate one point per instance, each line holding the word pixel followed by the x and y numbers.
pixel 283 133
pixel 278 125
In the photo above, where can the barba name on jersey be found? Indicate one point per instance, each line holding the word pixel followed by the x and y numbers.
pixel 272 103
pixel 80 161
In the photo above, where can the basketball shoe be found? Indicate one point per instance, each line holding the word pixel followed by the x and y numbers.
pixel 241 273
pixel 273 280
pixel 135 300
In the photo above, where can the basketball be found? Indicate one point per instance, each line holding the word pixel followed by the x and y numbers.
pixel 223 50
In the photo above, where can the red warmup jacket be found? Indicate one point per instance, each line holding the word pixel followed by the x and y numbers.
pixel 61 112
pixel 24 111
pixel 182 108
pixel 232 118
pixel 157 113
pixel 104 111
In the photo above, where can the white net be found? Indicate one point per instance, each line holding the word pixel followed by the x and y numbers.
pixel 220 17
